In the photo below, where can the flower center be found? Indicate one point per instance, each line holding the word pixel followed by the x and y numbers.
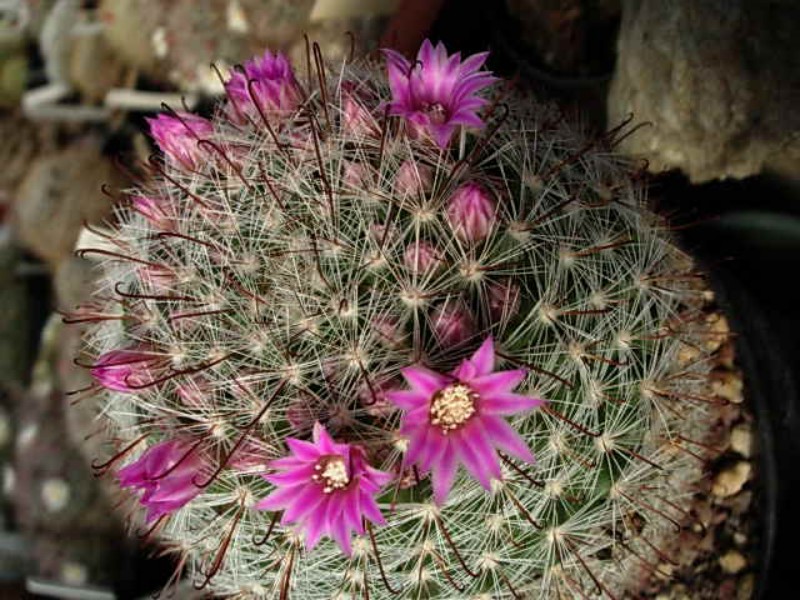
pixel 436 112
pixel 331 472
pixel 453 406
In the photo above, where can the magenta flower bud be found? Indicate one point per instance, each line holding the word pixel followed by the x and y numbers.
pixel 372 397
pixel 355 175
pixel 249 457
pixel 458 418
pixel 193 391
pixel 388 330
pixel 178 137
pixel 502 299
pixel 422 257
pixel 471 212
pixel 437 93
pixel 326 489
pixel 452 324
pixel 413 178
pixel 357 120
pixel 165 473
pixel 302 413
pixel 268 81
pixel 154 211
pixel 125 370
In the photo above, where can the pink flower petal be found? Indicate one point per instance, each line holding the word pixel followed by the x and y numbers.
pixel 506 438
pixel 352 512
pixel 323 440
pixel 424 381
pixel 407 399
pixel 302 450
pixel 497 383
pixel 417 445
pixel 294 477
pixel 478 455
pixel 443 472
pixel 306 500
pixel 314 528
pixel 340 532
pixel 370 510
pixel 508 404
pixel 278 499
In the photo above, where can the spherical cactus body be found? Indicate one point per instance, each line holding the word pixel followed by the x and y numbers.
pixel 387 330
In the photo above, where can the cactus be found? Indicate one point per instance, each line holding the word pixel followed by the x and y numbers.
pixel 317 258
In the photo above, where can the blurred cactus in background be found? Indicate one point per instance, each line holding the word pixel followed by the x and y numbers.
pixel 178 40
pixel 348 284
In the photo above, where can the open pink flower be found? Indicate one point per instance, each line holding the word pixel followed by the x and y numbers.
pixel 274 87
pixel 165 473
pixel 125 370
pixel 458 419
pixel 326 488
pixel 179 135
pixel 437 92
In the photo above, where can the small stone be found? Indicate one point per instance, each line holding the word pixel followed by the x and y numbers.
pixel 742 440
pixel 747 585
pixel 732 562
pixel 55 494
pixel 730 481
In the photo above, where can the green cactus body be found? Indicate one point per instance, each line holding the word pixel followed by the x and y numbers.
pixel 276 291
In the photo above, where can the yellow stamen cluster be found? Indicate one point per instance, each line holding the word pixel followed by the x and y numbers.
pixel 332 473
pixel 452 406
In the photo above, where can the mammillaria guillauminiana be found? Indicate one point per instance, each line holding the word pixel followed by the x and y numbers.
pixel 309 248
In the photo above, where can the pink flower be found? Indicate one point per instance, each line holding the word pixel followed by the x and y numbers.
pixel 326 488
pixel 458 419
pixel 125 370
pixel 274 87
pixel 437 92
pixel 422 257
pixel 452 323
pixel 178 137
pixel 165 473
pixel 471 212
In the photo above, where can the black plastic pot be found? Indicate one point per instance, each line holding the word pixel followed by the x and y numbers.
pixel 750 248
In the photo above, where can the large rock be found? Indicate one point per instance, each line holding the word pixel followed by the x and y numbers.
pixel 60 192
pixel 719 81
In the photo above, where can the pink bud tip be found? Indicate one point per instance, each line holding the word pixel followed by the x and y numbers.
pixel 471 212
